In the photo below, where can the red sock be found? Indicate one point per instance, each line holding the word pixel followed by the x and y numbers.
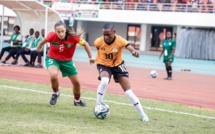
pixel 55 89
pixel 77 96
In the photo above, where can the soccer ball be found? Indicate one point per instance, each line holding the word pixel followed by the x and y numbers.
pixel 153 74
pixel 101 110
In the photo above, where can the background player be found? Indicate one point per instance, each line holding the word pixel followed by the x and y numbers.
pixel 62 47
pixel 15 43
pixel 168 51
pixel 25 49
pixel 109 62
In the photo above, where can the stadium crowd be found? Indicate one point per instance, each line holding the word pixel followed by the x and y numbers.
pixel 137 1
pixel 203 6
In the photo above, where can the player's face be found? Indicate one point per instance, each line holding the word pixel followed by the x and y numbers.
pixel 61 32
pixel 168 35
pixel 43 32
pixel 108 35
pixel 31 32
pixel 16 30
pixel 37 34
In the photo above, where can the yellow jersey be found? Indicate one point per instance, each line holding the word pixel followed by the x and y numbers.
pixel 110 55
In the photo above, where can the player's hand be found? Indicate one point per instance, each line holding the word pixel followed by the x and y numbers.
pixel 170 57
pixel 92 61
pixel 39 49
pixel 27 50
pixel 135 53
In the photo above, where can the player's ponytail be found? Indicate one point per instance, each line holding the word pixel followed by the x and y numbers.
pixel 71 32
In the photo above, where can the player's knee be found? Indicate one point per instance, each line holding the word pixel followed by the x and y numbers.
pixel 104 81
pixel 53 77
pixel 76 84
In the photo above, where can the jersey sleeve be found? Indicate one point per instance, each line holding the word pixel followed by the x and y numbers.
pixel 96 43
pixel 173 44
pixel 50 36
pixel 81 42
pixel 124 42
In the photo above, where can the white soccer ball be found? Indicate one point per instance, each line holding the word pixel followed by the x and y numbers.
pixel 153 74
pixel 101 110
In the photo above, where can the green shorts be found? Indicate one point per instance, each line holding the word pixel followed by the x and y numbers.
pixel 66 67
pixel 165 59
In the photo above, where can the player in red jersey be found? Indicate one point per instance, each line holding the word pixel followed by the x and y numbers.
pixel 62 47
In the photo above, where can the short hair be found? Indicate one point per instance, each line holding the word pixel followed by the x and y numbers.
pixel 16 27
pixel 108 26
pixel 37 32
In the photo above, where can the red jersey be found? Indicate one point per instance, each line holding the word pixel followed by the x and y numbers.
pixel 62 49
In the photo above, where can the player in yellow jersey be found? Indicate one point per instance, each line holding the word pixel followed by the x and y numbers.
pixel 109 62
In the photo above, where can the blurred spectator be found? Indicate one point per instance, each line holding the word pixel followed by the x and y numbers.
pixel 33 53
pixel 194 6
pixel 15 43
pixel 39 54
pixel 26 48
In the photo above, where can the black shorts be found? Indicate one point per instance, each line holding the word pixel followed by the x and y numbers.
pixel 117 71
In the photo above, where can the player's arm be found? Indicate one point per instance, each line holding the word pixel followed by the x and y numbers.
pixel 161 52
pixel 173 50
pixel 87 49
pixel 16 41
pixel 19 38
pixel 96 44
pixel 40 46
pixel 134 52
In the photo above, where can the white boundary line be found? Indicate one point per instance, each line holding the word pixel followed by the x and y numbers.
pixel 119 103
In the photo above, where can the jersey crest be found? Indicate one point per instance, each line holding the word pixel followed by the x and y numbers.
pixel 69 45
pixel 115 49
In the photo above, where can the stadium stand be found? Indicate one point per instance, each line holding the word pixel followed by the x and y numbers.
pixel 202 6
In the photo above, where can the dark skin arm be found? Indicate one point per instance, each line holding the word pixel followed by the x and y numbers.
pixel 134 52
pixel 14 42
pixel 161 53
pixel 173 51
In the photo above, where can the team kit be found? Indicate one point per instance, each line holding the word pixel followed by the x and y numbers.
pixel 109 62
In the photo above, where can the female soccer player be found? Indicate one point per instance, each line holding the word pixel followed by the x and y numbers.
pixel 168 57
pixel 109 62
pixel 62 47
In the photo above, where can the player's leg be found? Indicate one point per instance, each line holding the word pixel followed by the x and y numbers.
pixel 69 70
pixel 121 76
pixel 125 84
pixel 39 60
pixel 169 66
pixel 33 56
pixel 76 91
pixel 167 70
pixel 11 53
pixel 104 77
pixel 17 56
pixel 23 53
pixel 3 50
pixel 53 69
